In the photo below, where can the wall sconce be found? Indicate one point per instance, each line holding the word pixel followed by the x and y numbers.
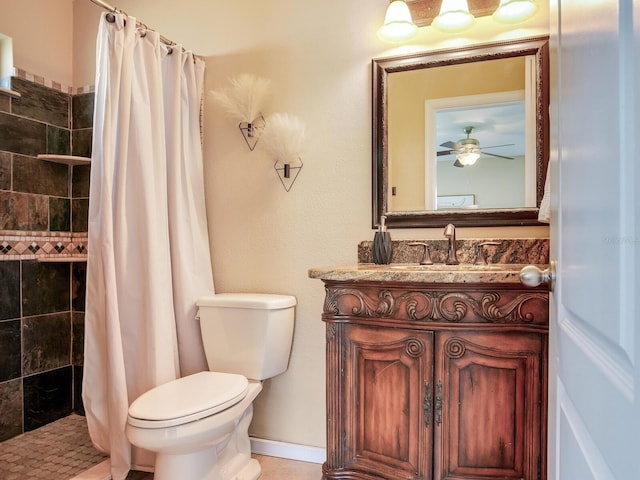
pixel 244 100
pixel 398 25
pixel 284 138
pixel 251 131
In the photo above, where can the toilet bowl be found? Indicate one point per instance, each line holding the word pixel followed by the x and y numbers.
pixel 198 425
pixel 204 439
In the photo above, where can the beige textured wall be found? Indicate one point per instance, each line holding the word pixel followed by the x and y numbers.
pixel 318 56
pixel 493 183
pixel 42 33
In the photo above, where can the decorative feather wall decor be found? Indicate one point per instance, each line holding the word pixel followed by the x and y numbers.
pixel 284 138
pixel 245 100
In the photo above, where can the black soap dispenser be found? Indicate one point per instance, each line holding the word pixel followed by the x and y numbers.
pixel 382 247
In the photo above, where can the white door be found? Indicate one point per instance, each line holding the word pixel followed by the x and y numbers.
pixel 594 406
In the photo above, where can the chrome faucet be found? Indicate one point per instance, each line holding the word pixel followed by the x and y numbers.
pixel 450 233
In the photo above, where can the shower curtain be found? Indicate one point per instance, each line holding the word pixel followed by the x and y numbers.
pixel 148 258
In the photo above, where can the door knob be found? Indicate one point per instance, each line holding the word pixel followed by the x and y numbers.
pixel 532 276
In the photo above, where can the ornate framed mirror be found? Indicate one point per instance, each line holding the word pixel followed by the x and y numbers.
pixel 461 135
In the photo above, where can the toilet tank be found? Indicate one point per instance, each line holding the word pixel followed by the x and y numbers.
pixel 247 333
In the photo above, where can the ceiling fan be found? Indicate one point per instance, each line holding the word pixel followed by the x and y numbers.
pixel 468 150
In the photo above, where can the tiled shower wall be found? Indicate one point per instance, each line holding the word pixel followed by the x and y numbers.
pixel 43 213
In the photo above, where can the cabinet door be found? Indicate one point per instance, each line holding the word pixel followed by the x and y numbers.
pixel 388 390
pixel 488 412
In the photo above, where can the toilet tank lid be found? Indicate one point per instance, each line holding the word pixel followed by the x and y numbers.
pixel 263 301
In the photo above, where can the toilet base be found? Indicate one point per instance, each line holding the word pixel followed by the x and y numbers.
pixel 224 452
pixel 170 467
pixel 250 472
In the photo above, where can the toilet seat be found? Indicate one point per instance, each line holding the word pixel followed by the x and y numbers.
pixel 187 399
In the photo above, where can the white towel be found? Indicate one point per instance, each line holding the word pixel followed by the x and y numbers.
pixel 544 214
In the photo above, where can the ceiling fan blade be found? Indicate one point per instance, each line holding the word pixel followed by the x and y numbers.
pixel 505 145
pixel 458 164
pixel 449 144
pixel 496 155
pixel 445 152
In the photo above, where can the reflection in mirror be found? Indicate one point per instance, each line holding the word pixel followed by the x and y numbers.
pixel 461 136
pixel 491 152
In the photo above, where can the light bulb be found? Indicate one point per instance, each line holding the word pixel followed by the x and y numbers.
pixel 514 11
pixel 468 158
pixel 398 24
pixel 454 16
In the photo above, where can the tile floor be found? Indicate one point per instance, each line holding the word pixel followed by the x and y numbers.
pixel 57 451
pixel 62 450
pixel 274 468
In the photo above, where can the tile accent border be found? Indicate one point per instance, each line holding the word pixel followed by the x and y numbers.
pixel 47 246
pixel 40 80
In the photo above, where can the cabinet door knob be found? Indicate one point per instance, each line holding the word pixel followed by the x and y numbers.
pixel 532 276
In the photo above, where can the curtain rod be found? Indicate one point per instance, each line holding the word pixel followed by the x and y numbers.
pixel 111 9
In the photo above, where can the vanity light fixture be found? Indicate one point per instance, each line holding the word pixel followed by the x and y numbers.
pixel 454 16
pixel 398 25
pixel 514 11
pixel 404 17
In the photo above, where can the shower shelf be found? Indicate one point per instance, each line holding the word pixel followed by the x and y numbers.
pixel 9 92
pixel 68 159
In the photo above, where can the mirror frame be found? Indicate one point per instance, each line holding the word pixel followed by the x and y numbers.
pixel 382 67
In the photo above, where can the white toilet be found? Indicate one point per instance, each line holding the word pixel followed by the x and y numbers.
pixel 198 425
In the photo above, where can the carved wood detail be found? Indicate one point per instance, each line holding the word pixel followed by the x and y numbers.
pixel 331 331
pixel 439 306
pixel 414 347
pixel 455 348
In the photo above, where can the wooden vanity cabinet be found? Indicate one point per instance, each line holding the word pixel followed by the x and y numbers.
pixel 382 407
pixel 435 382
pixel 490 423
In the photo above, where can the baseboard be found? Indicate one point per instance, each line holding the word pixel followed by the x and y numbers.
pixel 292 451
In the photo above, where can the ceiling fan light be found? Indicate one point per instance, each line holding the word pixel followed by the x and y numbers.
pixel 454 16
pixel 398 25
pixel 468 158
pixel 514 11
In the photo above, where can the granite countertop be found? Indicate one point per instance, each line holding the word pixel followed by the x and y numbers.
pixel 395 272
